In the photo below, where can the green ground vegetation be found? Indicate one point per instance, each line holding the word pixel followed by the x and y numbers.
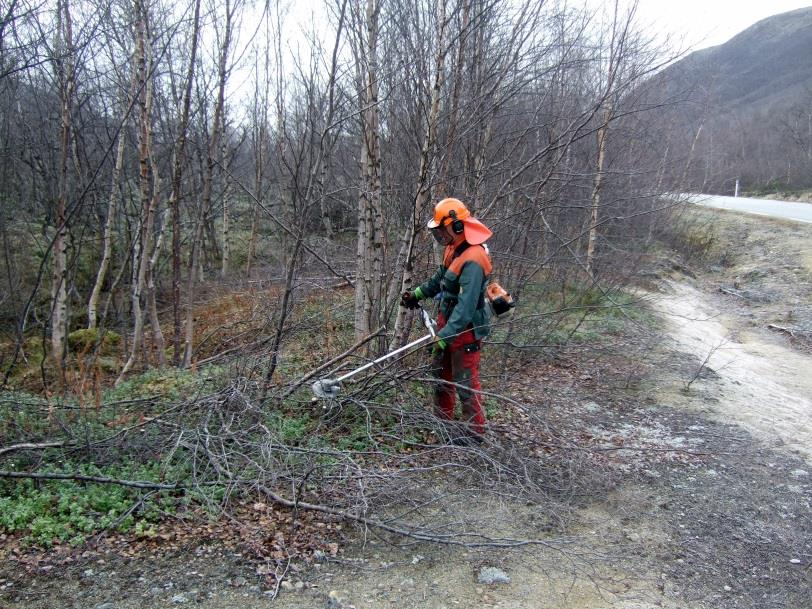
pixel 553 314
pixel 44 512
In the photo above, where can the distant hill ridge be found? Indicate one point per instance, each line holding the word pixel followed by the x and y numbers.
pixel 769 62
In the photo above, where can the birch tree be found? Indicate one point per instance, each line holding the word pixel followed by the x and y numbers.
pixel 64 65
pixel 178 164
pixel 369 258
pixel 212 150
pixel 126 103
pixel 423 193
pixel 147 190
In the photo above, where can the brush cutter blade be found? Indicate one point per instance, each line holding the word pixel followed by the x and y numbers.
pixel 326 388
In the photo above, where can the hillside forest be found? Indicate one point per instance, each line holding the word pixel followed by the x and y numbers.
pixel 205 207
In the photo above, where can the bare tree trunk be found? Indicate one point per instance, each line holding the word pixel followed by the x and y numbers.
pixel 226 236
pixel 258 185
pixel 404 318
pixel 107 247
pixel 178 162
pixel 368 286
pixel 148 199
pixel 226 209
pixel 260 142
pixel 689 161
pixel 158 341
pixel 259 178
pixel 208 175
pixel 595 199
pixel 59 292
pixel 453 118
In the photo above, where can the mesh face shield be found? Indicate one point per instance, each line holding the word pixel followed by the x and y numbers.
pixel 441 235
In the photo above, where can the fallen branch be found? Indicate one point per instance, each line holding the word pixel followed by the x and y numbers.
pixel 30 446
pixel 782 329
pixel 97 479
pixel 451 539
pixel 326 365
pixel 731 292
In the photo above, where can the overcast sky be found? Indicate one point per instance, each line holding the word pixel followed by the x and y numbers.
pixel 710 22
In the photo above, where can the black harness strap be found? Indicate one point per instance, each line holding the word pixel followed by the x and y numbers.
pixel 460 249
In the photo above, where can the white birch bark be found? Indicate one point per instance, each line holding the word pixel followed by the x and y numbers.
pixel 147 199
pixel 224 270
pixel 595 199
pixel 369 277
pixel 107 243
pixel 59 292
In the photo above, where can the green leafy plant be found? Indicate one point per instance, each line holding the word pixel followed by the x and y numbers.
pixel 60 511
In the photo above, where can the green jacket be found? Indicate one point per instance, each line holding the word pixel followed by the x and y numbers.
pixel 461 281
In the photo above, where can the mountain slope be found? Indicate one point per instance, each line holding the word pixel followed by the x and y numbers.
pixel 771 60
pixel 744 108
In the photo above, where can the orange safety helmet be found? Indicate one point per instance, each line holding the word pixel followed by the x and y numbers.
pixel 448 210
pixel 453 211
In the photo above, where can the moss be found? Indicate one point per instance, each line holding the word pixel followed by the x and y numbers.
pixel 85 340
pixel 169 384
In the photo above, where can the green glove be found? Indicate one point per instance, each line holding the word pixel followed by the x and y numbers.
pixel 439 347
pixel 418 293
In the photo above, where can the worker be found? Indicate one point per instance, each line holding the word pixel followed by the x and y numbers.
pixel 463 319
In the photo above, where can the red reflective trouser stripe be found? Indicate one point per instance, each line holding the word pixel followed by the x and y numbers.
pixel 453 364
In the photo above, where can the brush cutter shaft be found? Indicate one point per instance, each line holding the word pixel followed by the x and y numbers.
pixel 414 343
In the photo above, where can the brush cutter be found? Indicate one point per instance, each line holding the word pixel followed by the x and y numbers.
pixel 328 388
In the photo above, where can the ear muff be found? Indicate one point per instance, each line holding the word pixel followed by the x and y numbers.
pixel 457 226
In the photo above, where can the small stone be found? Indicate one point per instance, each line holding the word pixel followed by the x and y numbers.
pixel 795 561
pixel 492 575
pixel 407 584
pixel 333 601
pixel 180 599
pixel 256 589
pixel 727 588
pixel 88 573
pixel 799 473
pixel 106 606
pixel 239 581
pixel 286 585
pixel 299 586
pixel 592 407
pixel 155 591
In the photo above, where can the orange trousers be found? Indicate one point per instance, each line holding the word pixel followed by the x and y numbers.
pixel 459 363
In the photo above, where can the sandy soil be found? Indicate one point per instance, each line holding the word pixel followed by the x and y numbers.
pixel 763 385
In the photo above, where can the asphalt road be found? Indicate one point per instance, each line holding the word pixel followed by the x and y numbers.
pixel 797 212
